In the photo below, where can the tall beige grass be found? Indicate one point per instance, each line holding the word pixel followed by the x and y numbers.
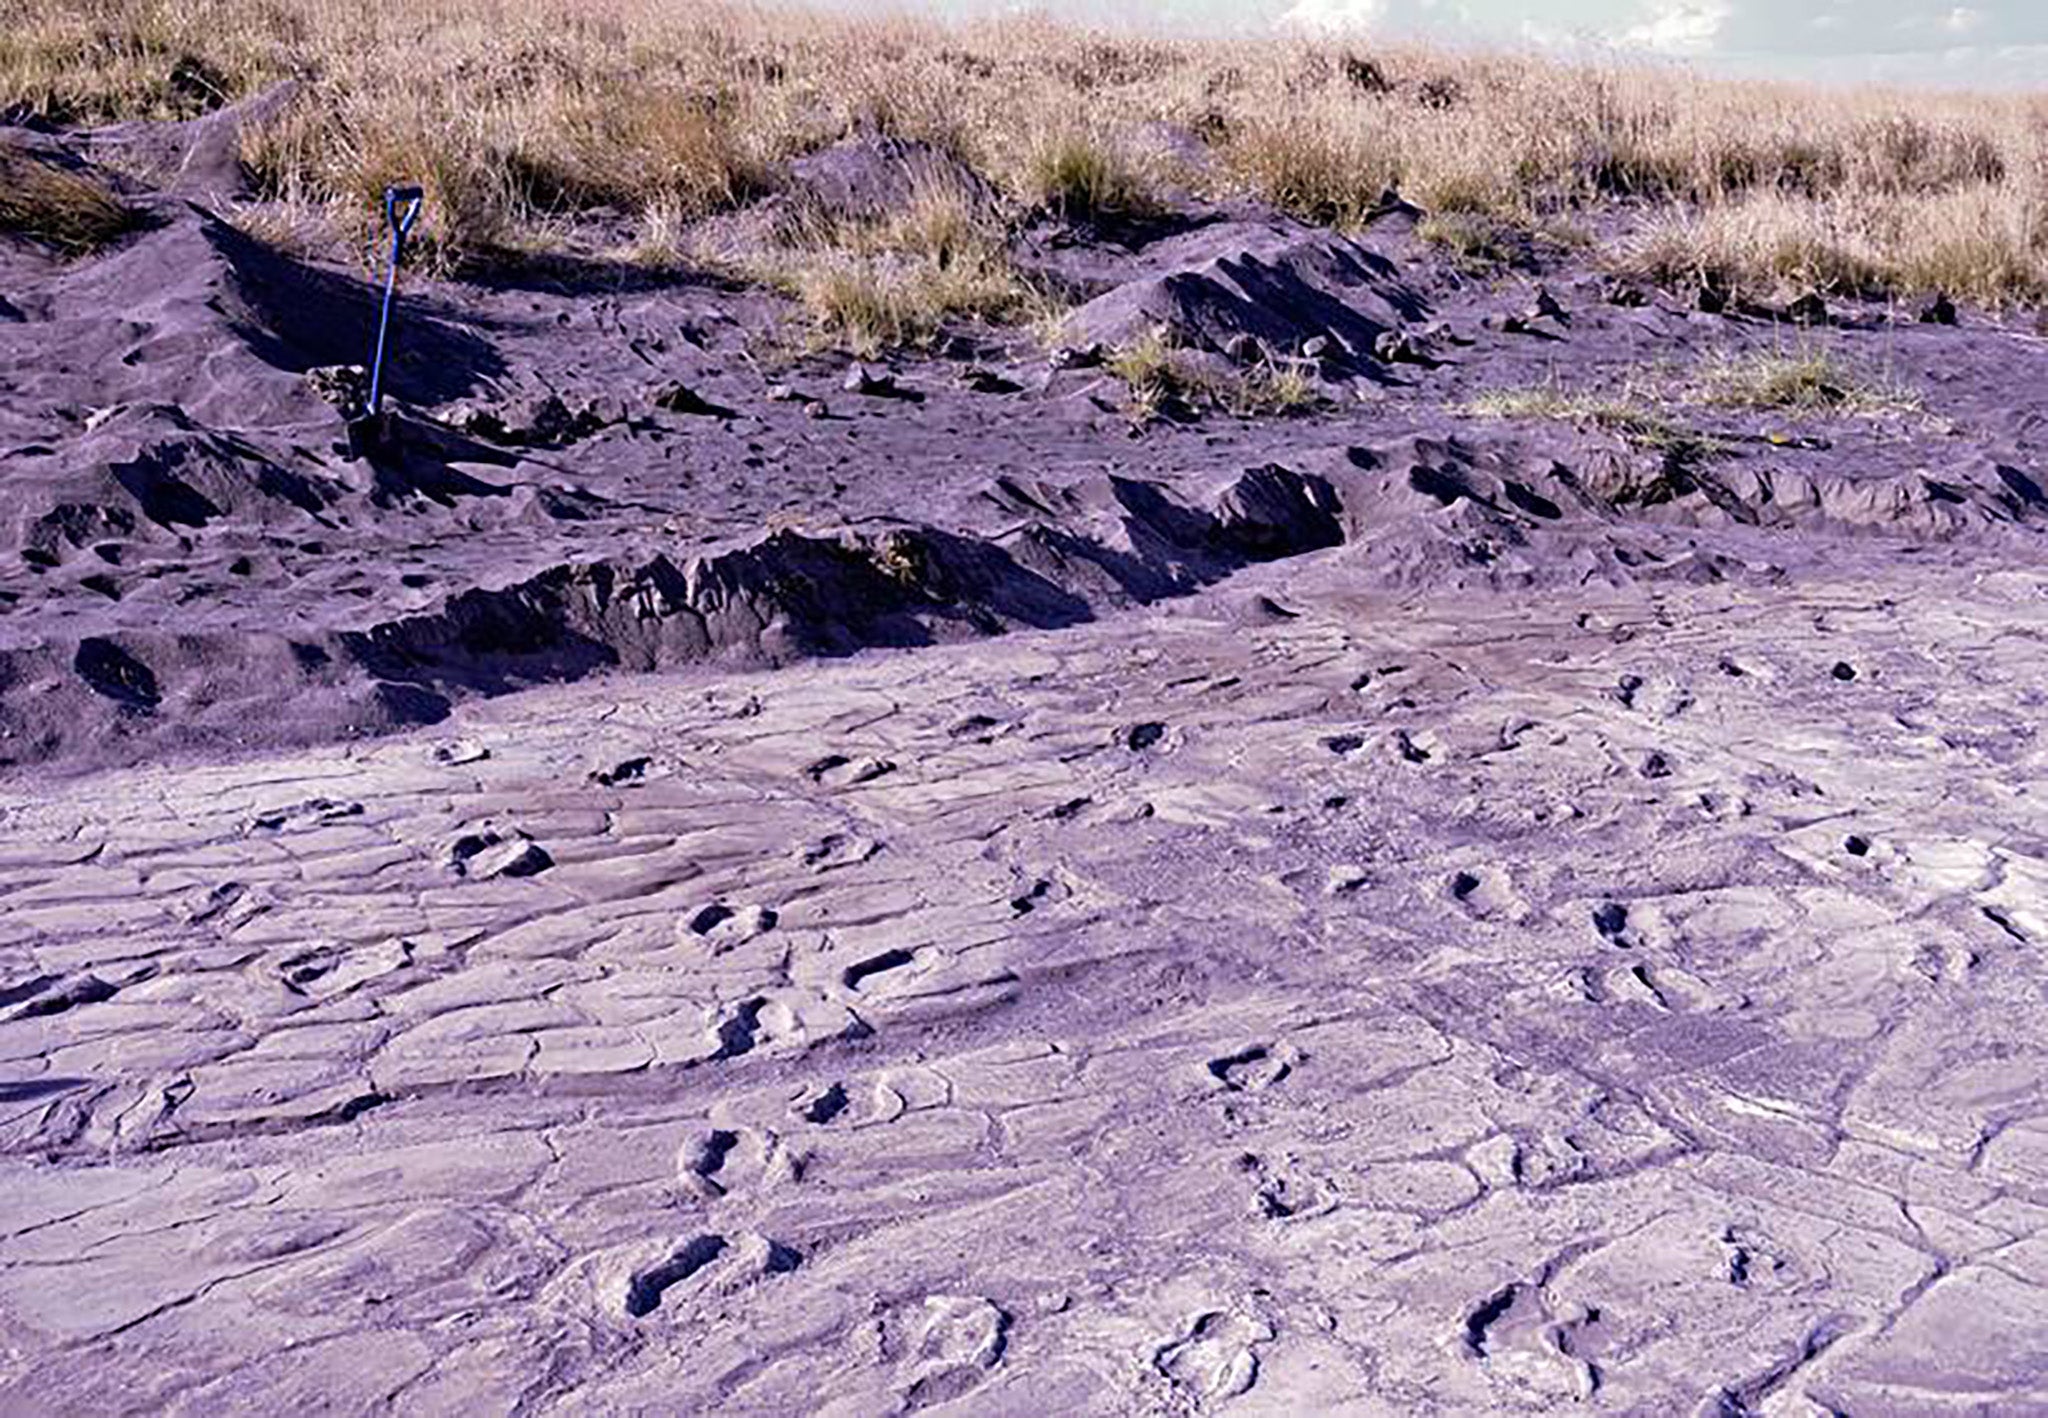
pixel 518 113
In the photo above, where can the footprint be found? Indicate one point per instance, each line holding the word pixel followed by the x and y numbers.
pixel 1484 893
pixel 713 1162
pixel 1255 1069
pixel 1515 1331
pixel 202 906
pixel 313 812
pixel 856 976
pixel 748 1023
pixel 624 774
pixel 50 995
pixel 1665 987
pixel 778 1018
pixel 958 1340
pixel 981 728
pixel 1217 1358
pixel 1287 1195
pixel 824 1106
pixel 709 1264
pixel 836 850
pixel 1346 879
pixel 489 853
pixel 726 927
pixel 646 1286
pixel 838 771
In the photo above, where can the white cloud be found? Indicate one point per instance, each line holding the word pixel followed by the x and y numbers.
pixel 1681 26
pixel 1963 20
pixel 1333 16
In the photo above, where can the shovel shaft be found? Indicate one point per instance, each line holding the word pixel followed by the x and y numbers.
pixel 383 333
pixel 401 210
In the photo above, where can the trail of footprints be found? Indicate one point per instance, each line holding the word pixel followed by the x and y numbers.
pixel 729 1168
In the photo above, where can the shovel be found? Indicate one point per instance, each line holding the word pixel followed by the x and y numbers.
pixel 368 431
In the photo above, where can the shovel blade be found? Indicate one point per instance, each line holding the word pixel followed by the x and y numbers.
pixel 368 434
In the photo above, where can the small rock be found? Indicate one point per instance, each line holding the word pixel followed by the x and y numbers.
pixel 786 394
pixel 1243 349
pixel 1843 671
pixel 1316 347
pixel 977 380
pixel 1076 357
pixel 874 383
pixel 1398 347
pixel 682 399
pixel 1344 879
pixel 1939 311
pixel 631 770
pixel 460 751
pixel 346 386
pixel 545 420
pixel 1809 309
pixel 1547 308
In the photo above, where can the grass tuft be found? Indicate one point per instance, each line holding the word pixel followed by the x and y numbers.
pixel 58 206
pixel 1808 381
pixel 890 281
pixel 1163 379
pixel 1080 175
pixel 1629 413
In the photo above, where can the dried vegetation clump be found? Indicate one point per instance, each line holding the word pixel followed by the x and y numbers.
pixel 57 206
pixel 524 117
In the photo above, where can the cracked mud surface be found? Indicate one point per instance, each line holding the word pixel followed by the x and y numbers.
pixel 1371 912
pixel 1381 1036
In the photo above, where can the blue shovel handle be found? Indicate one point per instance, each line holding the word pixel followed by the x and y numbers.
pixel 401 210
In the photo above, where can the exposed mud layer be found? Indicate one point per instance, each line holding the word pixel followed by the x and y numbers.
pixel 1286 998
pixel 945 888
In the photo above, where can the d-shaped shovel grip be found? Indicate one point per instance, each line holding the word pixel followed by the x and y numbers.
pixel 402 209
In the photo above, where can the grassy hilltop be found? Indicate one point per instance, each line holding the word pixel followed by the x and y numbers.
pixel 524 117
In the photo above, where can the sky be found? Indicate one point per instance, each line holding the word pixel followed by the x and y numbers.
pixel 1979 44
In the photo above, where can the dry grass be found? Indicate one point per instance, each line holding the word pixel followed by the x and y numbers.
pixel 1087 176
pixel 1164 379
pixel 889 281
pixel 1633 412
pixel 57 207
pixel 1804 381
pixel 520 115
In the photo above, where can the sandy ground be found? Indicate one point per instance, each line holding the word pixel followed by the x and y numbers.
pixel 1368 913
